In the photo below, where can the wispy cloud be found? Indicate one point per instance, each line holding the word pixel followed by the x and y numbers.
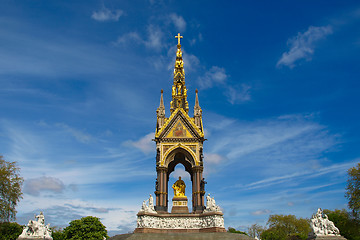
pixel 79 135
pixel 214 158
pixel 215 75
pixel 131 37
pixel 178 21
pixel 155 37
pixel 285 142
pixel 106 14
pixel 145 144
pixel 238 94
pixel 303 174
pixel 261 212
pixel 302 46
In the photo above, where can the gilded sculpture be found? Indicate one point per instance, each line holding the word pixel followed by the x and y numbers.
pixel 179 188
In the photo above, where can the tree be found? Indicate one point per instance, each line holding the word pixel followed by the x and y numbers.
pixel 10 231
pixel 255 230
pixel 348 226
pixel 87 228
pixel 233 230
pixel 57 233
pixel 353 190
pixel 10 189
pixel 284 227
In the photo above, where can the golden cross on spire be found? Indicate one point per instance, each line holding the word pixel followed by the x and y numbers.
pixel 178 37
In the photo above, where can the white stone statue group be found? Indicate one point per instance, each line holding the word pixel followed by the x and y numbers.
pixel 37 229
pixel 211 205
pixel 148 208
pixel 322 226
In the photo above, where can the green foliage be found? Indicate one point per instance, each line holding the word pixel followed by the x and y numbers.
pixel 87 228
pixel 286 227
pixel 10 231
pixel 10 189
pixel 57 233
pixel 233 230
pixel 255 230
pixel 349 227
pixel 353 190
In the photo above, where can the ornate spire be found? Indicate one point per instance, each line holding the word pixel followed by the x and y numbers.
pixel 197 111
pixel 160 112
pixel 179 91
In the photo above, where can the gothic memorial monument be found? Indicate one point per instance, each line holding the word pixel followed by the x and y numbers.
pixel 179 139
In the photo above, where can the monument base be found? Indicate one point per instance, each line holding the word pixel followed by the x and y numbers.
pixel 180 205
pixel 326 237
pixel 180 223
pixel 182 236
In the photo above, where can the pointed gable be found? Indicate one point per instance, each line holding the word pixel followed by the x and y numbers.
pixel 179 125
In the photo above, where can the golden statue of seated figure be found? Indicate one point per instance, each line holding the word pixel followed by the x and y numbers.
pixel 179 188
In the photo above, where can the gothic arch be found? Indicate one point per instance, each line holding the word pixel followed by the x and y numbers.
pixel 185 156
pixel 180 155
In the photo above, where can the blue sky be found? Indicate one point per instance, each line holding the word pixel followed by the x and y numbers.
pixel 278 84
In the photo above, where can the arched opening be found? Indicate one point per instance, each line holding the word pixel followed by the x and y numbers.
pixel 179 171
pixel 165 192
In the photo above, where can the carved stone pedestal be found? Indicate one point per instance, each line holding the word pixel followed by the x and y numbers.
pixel 179 223
pixel 180 205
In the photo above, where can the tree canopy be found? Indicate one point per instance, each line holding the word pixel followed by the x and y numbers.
pixel 10 189
pixel 86 228
pixel 233 230
pixel 353 190
pixel 284 227
pixel 348 226
pixel 255 230
pixel 10 231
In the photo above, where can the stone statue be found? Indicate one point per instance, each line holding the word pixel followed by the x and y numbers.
pixel 157 185
pixel 151 202
pixel 211 205
pixel 36 229
pixel 179 188
pixel 148 208
pixel 322 226
pixel 202 185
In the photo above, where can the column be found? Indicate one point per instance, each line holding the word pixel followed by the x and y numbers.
pixel 197 172
pixel 161 195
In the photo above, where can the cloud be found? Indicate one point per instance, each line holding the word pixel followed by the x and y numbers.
pixel 36 185
pixel 117 217
pixel 155 36
pixel 302 46
pixel 196 39
pixel 131 37
pixel 213 158
pixel 79 135
pixel 303 174
pixel 277 144
pixel 106 14
pixel 178 21
pixel 145 144
pixel 216 75
pixel 238 94
pixel 261 212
